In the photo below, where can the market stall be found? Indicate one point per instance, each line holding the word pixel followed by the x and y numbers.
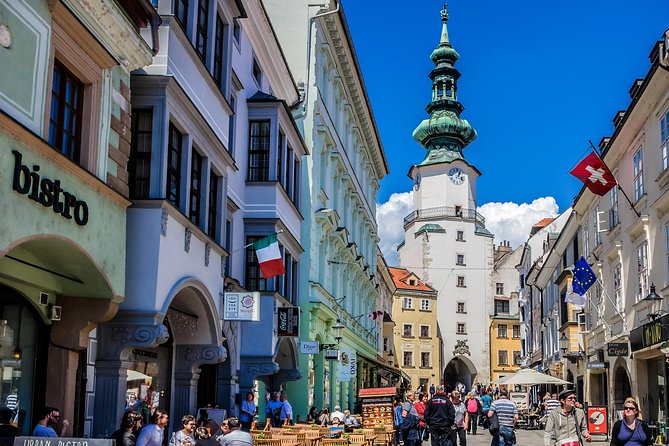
pixel 377 406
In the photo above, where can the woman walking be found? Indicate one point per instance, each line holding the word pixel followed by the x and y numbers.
pixel 631 430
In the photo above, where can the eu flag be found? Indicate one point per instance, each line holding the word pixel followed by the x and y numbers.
pixel 584 277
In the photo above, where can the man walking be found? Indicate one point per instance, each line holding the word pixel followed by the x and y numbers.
pixel 567 422
pixel 152 434
pixel 432 390
pixel 439 416
pixel 286 414
pixel 273 410
pixel 236 436
pixel 507 415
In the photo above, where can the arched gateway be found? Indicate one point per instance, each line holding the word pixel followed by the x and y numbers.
pixel 460 369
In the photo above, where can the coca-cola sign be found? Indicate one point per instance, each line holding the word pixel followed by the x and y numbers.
pixel 288 321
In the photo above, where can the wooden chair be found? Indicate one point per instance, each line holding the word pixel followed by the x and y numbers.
pixel 262 435
pixel 277 430
pixel 256 431
pixel 356 438
pixel 267 442
pixel 334 442
pixel 287 440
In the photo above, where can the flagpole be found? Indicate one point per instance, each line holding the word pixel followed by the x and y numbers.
pixel 617 182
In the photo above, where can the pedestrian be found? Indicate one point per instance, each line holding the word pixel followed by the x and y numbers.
pixel 410 423
pixel 473 409
pixel 152 434
pixel 337 413
pixel 203 437
pixel 286 413
pixel 432 390
pixel 631 430
pixel 439 416
pixel 312 416
pixel 461 420
pixel 397 418
pixel 566 426
pixel 273 410
pixel 247 412
pixel 48 421
pixel 186 435
pixel 324 417
pixel 131 423
pixel 349 420
pixel 486 401
pixel 507 416
pixel 551 403
pixel 419 405
pixel 235 436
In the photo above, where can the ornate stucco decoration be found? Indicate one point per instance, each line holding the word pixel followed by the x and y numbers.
pixel 187 236
pixel 461 348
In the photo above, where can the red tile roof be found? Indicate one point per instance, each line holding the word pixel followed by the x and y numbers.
pixel 543 222
pixel 401 279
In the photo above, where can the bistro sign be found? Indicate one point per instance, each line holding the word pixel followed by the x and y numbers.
pixel 650 334
pixel 47 192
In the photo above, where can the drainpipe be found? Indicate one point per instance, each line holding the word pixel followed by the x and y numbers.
pixel 306 80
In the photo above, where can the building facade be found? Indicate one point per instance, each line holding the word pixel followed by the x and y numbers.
pixel 417 339
pixel 340 184
pixel 446 243
pixel 64 138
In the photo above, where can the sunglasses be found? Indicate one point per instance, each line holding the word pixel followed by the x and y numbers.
pixel 629 408
pixel 571 398
pixel 55 416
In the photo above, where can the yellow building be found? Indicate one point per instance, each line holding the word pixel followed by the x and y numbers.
pixel 416 333
pixel 504 345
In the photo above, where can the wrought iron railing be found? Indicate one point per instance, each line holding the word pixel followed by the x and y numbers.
pixel 449 212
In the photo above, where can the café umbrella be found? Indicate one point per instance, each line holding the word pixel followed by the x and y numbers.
pixel 529 377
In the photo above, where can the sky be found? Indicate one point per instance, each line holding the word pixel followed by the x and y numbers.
pixel 539 80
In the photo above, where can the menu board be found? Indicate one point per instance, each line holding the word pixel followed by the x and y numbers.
pixel 377 411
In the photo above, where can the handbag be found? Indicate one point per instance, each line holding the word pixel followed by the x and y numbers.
pixel 493 423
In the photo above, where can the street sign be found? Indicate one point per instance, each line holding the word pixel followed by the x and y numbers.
pixel 241 306
pixel 597 417
pixel 288 321
pixel 309 347
pixel 332 355
pixel 618 349
pixel 598 365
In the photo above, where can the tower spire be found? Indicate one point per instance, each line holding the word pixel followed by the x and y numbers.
pixel 444 134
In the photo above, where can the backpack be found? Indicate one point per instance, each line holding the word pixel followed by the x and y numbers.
pixel 472 405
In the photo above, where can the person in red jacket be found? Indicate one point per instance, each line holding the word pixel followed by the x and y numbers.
pixel 420 408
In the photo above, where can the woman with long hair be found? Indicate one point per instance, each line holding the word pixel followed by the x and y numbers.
pixel 131 423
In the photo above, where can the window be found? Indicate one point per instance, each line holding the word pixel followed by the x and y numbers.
pixel 458 211
pixel 424 331
pixel 461 281
pixel 254 279
pixel 279 159
pixel 202 30
pixel 228 246
pixel 460 259
pixel 219 56
pixel 617 285
pixel 501 306
pixel 174 166
pixel 259 150
pixel 139 162
pixel 288 170
pixel 499 289
pixel 461 307
pixel 595 226
pixel 212 221
pixel 408 359
pixel 236 31
pixel 516 357
pixel 385 343
pixel 407 330
pixel 67 99
pixel 516 331
pixel 425 359
pixel 407 303
pixel 460 236
pixel 666 235
pixel 425 304
pixel 285 285
pixel 642 270
pixel 294 282
pixel 195 187
pixel 461 329
pixel 232 123
pixel 257 73
pixel 638 174
pixel 501 331
pixel 586 238
pixel 181 13
pixel 296 183
pixel 613 211
pixel 503 357
pixel 664 148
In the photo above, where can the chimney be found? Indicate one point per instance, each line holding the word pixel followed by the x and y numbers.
pixel 617 119
pixel 636 86
pixel 603 143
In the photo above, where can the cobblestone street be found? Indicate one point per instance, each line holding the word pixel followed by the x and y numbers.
pixel 525 438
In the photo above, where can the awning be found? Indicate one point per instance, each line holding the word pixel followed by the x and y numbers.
pixel 385 367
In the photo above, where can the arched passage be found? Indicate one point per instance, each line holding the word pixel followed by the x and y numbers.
pixel 621 385
pixel 460 369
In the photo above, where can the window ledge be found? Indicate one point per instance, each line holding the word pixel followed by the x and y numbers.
pixel 408 309
pixel 663 179
pixel 425 367
pixel 424 311
pixel 461 286
pixel 461 312
pixel 464 333
pixel 408 337
pixel 426 337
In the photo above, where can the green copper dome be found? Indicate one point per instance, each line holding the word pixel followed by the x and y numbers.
pixel 444 134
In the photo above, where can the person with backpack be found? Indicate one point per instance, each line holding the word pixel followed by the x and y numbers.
pixel 439 416
pixel 473 409
pixel 409 426
pixel 273 410
pixel 486 401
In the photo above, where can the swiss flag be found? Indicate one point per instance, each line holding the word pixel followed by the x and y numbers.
pixel 594 174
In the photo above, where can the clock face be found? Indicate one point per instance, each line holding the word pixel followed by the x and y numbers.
pixel 456 175
pixel 416 181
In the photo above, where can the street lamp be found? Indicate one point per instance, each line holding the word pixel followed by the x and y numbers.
pixel 390 357
pixel 336 330
pixel 564 343
pixel 654 304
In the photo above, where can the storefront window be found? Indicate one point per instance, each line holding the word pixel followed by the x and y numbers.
pixel 18 343
pixel 148 380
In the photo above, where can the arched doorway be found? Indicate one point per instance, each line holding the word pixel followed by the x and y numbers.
pixel 621 386
pixel 460 369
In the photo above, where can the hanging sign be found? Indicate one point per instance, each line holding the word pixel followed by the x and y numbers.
pixel 309 347
pixel 348 365
pixel 618 349
pixel 597 416
pixel 42 441
pixel 241 306
pixel 288 321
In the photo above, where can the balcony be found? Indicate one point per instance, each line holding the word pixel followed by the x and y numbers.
pixel 445 212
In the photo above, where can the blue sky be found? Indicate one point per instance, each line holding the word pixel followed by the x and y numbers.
pixel 539 79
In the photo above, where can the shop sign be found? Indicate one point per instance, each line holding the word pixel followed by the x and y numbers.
pixel 47 192
pixel 43 441
pixel 309 347
pixel 597 416
pixel 241 306
pixel 146 353
pixel 288 323
pixel 618 349
pixel 332 355
pixel 598 365
pixel 348 367
pixel 650 334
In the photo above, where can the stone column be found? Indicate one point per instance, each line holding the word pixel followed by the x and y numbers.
pixel 187 360
pixel 116 340
pixel 226 389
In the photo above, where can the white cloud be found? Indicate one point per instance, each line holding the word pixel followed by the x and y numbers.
pixel 390 218
pixel 513 222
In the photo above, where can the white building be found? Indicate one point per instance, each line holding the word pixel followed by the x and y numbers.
pixel 445 241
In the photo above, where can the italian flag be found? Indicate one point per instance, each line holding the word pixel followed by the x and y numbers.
pixel 269 256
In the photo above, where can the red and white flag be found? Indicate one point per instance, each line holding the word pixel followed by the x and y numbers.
pixel 375 314
pixel 269 256
pixel 594 174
